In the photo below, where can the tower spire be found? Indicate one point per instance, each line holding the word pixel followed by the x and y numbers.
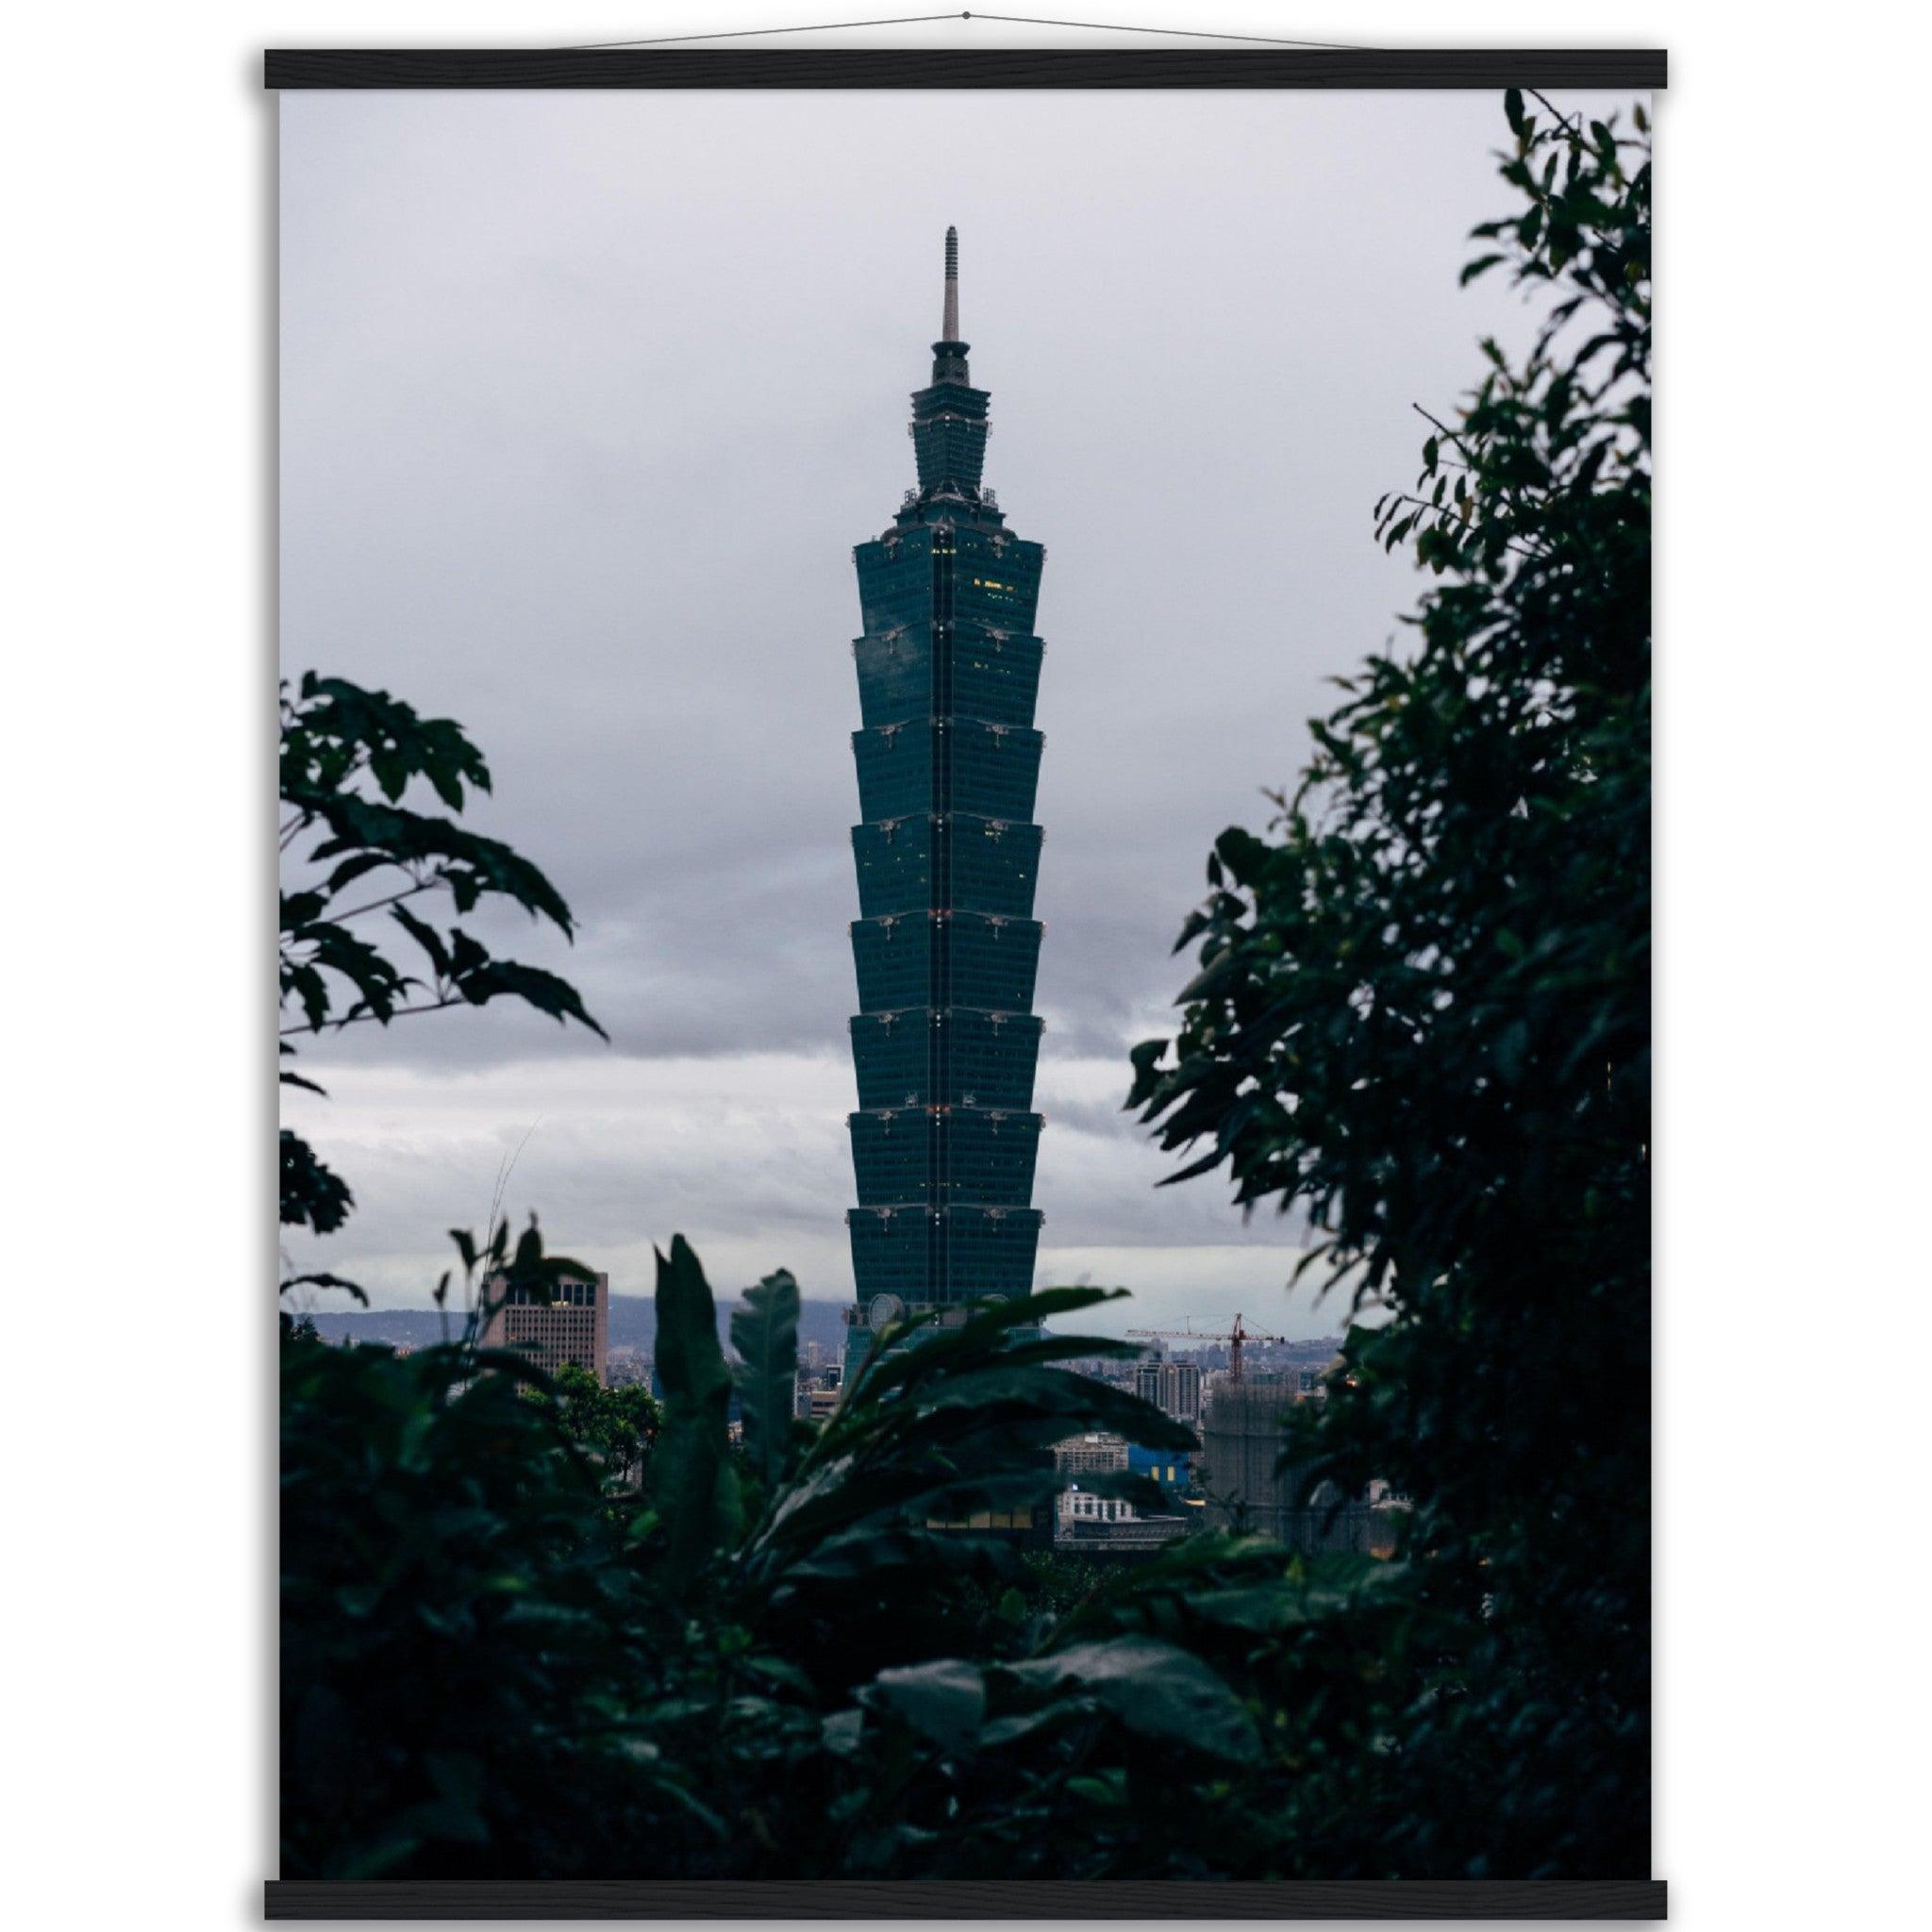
pixel 949 352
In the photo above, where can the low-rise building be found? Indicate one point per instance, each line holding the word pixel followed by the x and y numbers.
pixel 1081 1505
pixel 1173 1469
pixel 1101 1524
pixel 1087 1525
pixel 1090 1454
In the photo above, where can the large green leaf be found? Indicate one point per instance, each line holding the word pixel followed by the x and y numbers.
pixel 694 1485
pixel 1081 1401
pixel 871 1550
pixel 1152 1687
pixel 765 1334
pixel 945 1699
pixel 1333 1585
pixel 985 1332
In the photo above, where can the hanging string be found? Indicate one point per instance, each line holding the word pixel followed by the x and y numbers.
pixel 746 33
pixel 1096 27
pixel 1192 33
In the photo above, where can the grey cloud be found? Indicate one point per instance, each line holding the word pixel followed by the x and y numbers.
pixel 586 398
pixel 746 1155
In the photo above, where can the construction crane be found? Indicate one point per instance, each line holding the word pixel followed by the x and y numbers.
pixel 1236 1338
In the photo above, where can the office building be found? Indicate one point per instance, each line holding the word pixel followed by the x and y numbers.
pixel 573 1326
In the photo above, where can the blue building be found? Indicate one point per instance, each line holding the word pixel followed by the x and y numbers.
pixel 947 855
pixel 1167 1467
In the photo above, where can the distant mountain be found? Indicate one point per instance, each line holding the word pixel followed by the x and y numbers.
pixel 633 1323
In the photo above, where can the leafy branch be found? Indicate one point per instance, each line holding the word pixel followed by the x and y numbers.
pixel 349 757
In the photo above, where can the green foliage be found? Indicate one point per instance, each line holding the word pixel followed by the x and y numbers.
pixel 616 1426
pixel 313 1195
pixel 1421 1015
pixel 765 1331
pixel 348 758
pixel 522 1266
pixel 693 1481
pixel 494 1664
pixel 511 1269
pixel 447 1626
pixel 955 1422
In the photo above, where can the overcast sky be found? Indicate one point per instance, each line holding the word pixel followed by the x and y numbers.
pixel 586 398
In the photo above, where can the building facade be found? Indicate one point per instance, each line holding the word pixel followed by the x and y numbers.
pixel 1172 1386
pixel 947 855
pixel 1173 1469
pixel 1093 1453
pixel 573 1327
pixel 1248 1488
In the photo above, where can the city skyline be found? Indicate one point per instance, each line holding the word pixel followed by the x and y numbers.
pixel 575 456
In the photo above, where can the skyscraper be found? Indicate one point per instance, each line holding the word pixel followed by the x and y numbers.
pixel 946 944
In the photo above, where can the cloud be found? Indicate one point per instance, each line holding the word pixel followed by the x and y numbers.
pixel 585 403
pixel 745 1155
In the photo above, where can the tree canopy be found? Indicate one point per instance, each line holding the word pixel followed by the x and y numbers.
pixel 1422 1016
pixel 349 757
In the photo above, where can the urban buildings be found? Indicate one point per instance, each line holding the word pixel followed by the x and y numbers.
pixel 947 854
pixel 816 1388
pixel 1088 1525
pixel 816 1404
pixel 1173 1469
pixel 1248 1488
pixel 1093 1453
pixel 627 1366
pixel 573 1327
pixel 1173 1387
pixel 1110 1525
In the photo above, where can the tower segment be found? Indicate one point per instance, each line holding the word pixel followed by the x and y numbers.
pixel 945 1039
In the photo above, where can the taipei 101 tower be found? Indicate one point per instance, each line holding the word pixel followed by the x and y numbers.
pixel 946 944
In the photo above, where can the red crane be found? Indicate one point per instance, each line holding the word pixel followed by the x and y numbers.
pixel 1236 1338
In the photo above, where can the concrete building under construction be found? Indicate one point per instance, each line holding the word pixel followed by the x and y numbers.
pixel 1241 1442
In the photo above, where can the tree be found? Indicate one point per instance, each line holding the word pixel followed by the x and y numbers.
pixel 505 1670
pixel 1421 1015
pixel 348 758
pixel 616 1426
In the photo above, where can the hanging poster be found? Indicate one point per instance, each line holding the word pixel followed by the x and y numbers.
pixel 965 809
